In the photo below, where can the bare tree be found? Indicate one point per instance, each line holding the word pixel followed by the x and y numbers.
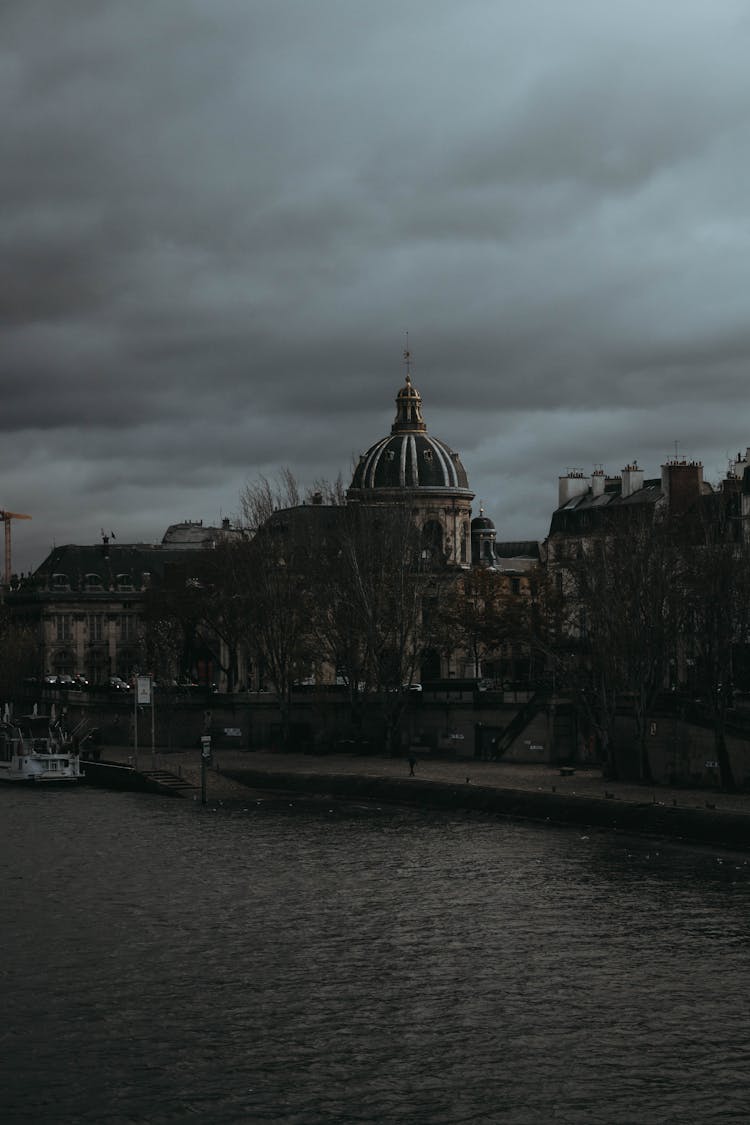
pixel 325 492
pixel 18 655
pixel 481 615
pixel 261 498
pixel 622 618
pixel 368 607
pixel 716 587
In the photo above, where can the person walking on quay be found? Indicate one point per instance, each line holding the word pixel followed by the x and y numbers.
pixel 412 764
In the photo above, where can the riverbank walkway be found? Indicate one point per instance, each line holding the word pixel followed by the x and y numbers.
pixel 585 783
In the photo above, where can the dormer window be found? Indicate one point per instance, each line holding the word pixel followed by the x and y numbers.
pixel 124 582
pixel 427 454
pixel 60 582
pixel 93 581
pixel 390 454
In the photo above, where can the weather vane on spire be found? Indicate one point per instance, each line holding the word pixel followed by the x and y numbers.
pixel 407 357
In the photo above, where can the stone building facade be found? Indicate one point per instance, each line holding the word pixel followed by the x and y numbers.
pixel 85 603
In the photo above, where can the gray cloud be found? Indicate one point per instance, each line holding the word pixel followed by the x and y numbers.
pixel 218 220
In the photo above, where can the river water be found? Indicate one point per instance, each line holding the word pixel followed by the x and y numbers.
pixel 279 961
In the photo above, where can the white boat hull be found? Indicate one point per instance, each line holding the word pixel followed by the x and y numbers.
pixel 41 756
pixel 41 777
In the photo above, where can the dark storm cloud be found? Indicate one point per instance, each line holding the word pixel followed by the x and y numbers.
pixel 219 219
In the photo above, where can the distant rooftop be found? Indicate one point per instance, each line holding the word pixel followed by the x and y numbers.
pixel 191 534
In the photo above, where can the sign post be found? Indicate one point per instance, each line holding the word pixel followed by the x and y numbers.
pixel 135 731
pixel 142 697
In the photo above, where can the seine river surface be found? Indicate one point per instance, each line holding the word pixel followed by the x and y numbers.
pixel 280 961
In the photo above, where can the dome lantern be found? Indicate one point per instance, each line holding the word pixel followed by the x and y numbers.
pixel 409 410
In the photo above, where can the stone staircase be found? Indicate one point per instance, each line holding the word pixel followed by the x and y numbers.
pixel 162 781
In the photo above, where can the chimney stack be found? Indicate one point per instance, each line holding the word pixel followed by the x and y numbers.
pixel 632 480
pixel 681 483
pixel 598 480
pixel 572 485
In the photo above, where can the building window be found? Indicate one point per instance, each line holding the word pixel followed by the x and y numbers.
pixel 97 666
pixel 515 585
pixel 96 626
pixel 128 626
pixel 432 541
pixel 63 626
pixel 63 663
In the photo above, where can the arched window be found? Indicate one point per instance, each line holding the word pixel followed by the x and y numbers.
pixel 432 543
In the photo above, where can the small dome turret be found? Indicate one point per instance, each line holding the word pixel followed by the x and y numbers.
pixel 483 537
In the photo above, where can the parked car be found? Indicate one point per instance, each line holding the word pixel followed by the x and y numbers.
pixel 115 683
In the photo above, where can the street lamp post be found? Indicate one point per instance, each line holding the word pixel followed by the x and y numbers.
pixel 205 755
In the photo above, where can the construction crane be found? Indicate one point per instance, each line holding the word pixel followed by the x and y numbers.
pixel 6 517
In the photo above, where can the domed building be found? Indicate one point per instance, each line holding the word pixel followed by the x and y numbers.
pixel 410 466
pixel 483 536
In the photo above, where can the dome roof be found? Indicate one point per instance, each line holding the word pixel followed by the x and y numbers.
pixel 482 523
pixel 409 457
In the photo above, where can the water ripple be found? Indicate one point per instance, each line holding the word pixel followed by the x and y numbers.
pixel 304 964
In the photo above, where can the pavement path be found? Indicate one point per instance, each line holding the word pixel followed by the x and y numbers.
pixel 499 775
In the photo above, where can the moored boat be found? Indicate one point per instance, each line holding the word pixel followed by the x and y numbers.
pixel 34 748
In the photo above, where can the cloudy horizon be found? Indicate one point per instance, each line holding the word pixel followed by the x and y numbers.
pixel 219 220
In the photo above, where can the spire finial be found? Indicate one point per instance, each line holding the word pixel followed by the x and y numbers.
pixel 408 402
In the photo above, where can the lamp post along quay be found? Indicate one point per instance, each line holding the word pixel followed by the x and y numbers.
pixel 205 756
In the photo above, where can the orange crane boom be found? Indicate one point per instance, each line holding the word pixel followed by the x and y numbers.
pixel 6 517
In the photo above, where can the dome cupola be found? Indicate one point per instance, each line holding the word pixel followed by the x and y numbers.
pixel 409 466
pixel 409 458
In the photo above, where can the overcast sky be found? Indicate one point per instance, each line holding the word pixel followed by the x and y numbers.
pixel 219 217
